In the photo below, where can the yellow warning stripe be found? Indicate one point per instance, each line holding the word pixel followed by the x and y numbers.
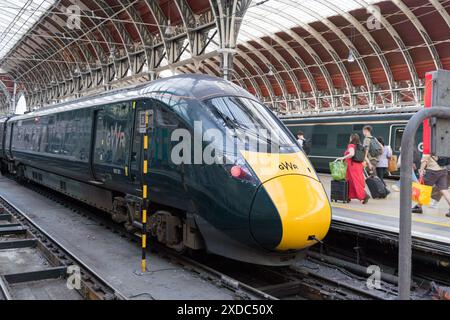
pixel 145 142
pixel 144 241
pixel 144 216
pixel 144 168
pixel 144 191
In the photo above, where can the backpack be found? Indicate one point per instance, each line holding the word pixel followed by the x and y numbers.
pixel 443 161
pixel 375 148
pixel 307 146
pixel 360 154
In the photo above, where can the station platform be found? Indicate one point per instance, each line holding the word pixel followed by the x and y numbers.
pixel 383 215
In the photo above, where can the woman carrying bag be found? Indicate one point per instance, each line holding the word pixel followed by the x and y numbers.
pixel 354 157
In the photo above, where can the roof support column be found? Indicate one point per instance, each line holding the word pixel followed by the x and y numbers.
pixel 228 14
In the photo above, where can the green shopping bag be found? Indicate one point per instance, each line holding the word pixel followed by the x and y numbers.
pixel 338 170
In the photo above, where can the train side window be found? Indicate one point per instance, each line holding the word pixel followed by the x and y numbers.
pixel 342 140
pixel 398 139
pixel 113 130
pixel 319 140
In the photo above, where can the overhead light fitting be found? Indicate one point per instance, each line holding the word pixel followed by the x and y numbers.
pixel 270 73
pixel 351 57
pixel 112 52
pixel 170 30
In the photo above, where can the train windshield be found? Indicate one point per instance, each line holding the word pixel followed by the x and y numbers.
pixel 252 119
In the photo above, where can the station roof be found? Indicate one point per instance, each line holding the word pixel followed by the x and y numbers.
pixel 298 56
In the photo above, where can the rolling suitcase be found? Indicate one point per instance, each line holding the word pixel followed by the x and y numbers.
pixel 376 187
pixel 339 191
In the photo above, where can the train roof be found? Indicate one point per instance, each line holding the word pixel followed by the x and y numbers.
pixel 189 86
pixel 354 113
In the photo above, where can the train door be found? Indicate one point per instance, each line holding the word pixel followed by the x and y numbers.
pixel 164 178
pixel 8 140
pixel 142 109
pixel 111 148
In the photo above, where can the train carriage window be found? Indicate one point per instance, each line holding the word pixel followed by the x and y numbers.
pixel 342 140
pixel 398 135
pixel 319 140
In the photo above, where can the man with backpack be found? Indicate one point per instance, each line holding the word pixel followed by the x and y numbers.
pixel 374 149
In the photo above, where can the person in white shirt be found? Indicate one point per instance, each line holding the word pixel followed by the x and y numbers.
pixel 383 161
pixel 301 138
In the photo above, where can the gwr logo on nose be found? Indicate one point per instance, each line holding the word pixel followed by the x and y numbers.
pixel 288 166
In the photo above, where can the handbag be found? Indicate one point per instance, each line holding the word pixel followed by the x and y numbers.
pixel 421 193
pixel 392 164
pixel 338 170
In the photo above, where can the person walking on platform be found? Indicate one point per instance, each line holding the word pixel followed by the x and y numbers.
pixel 436 195
pixel 373 149
pixel 383 161
pixel 355 156
pixel 433 175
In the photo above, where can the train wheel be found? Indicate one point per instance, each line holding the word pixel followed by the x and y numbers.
pixel 167 228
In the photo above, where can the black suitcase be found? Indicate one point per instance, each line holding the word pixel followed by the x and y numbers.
pixel 339 191
pixel 376 187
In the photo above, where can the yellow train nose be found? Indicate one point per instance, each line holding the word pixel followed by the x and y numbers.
pixel 290 212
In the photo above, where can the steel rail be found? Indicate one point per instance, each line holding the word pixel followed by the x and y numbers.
pixel 15 211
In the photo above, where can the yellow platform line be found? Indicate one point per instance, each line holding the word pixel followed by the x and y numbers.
pixel 445 225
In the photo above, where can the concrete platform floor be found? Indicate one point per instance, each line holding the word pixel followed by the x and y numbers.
pixel 384 214
pixel 114 258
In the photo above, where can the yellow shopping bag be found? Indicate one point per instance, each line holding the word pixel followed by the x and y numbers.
pixel 421 193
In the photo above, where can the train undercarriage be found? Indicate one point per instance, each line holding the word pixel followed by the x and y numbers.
pixel 169 226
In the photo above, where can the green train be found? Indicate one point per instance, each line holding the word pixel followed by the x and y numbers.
pixel 264 207
pixel 328 133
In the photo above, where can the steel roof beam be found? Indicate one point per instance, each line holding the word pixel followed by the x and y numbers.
pixel 422 31
pixel 362 65
pixel 369 38
pixel 401 45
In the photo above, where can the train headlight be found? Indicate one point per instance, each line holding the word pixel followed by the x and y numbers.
pixel 237 172
pixel 238 169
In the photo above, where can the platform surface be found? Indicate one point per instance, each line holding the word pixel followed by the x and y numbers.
pixel 383 214
pixel 115 259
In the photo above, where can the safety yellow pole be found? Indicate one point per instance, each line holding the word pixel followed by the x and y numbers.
pixel 145 203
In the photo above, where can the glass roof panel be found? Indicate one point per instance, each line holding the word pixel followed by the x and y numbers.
pixel 278 15
pixel 16 18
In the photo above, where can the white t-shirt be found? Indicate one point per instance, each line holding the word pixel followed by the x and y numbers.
pixel 300 142
pixel 383 161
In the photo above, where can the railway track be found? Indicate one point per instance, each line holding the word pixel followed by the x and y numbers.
pixel 239 289
pixel 33 265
